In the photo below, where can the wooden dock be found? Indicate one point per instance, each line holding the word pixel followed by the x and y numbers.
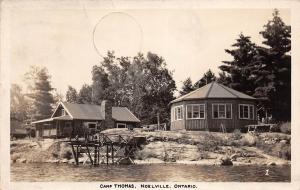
pixel 106 148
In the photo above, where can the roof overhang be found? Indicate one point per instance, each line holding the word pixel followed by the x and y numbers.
pixel 211 98
pixel 65 118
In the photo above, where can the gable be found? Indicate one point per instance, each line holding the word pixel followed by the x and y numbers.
pixel 60 111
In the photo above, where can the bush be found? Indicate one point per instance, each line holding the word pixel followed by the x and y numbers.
pixel 285 127
pixel 237 134
pixel 280 150
pixel 249 140
pixel 285 152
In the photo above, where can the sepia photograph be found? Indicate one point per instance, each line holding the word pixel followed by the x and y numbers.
pixel 123 96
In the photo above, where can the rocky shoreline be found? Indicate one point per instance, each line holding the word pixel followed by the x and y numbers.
pixel 168 147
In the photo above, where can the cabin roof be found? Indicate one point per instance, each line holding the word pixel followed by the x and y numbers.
pixel 123 114
pixel 214 90
pixel 84 111
pixel 90 112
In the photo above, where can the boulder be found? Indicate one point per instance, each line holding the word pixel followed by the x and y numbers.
pixel 225 161
pixel 64 161
pixel 125 161
pixel 21 160
pixel 271 164
pixel 283 141
pixel 53 161
pixel 233 157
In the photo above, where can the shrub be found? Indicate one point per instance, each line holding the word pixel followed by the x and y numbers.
pixel 285 152
pixel 237 134
pixel 285 127
pixel 248 140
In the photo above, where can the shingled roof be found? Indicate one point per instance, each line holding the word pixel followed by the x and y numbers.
pixel 84 111
pixel 123 114
pixel 93 112
pixel 213 90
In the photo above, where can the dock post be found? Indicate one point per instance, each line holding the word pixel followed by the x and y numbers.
pixel 89 154
pixel 112 153
pixel 77 154
pixel 107 154
pixel 95 155
pixel 74 154
pixel 98 155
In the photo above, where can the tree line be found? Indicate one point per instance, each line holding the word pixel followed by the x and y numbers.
pixel 142 83
pixel 145 85
pixel 262 71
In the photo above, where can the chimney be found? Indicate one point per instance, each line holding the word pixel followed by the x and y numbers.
pixel 106 111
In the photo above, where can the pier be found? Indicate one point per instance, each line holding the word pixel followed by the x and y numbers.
pixel 106 148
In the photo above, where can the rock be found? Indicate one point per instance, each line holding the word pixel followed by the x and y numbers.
pixel 233 157
pixel 271 164
pixel 52 161
pixel 283 141
pixel 21 160
pixel 268 142
pixel 225 161
pixel 125 161
pixel 72 161
pixel 151 139
pixel 64 161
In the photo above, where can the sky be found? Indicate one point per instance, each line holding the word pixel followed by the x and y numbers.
pixel 70 41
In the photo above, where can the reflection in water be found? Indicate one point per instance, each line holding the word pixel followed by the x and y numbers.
pixel 155 172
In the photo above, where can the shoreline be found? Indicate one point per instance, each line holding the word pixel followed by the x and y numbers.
pixel 153 161
pixel 196 163
pixel 167 147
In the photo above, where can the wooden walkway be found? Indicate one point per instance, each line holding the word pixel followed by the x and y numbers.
pixel 106 148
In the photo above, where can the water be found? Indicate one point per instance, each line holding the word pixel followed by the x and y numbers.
pixel 156 172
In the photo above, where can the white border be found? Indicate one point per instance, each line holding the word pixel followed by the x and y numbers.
pixel 6 6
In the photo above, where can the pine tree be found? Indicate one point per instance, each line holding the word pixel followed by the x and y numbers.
pixel 207 78
pixel 273 68
pixel 71 95
pixel 223 79
pixel 187 87
pixel 40 93
pixel 18 104
pixel 85 95
pixel 239 69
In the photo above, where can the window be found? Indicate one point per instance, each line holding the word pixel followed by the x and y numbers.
pixel 121 125
pixel 63 112
pixel 195 111
pixel 246 111
pixel 92 125
pixel 178 113
pixel 222 111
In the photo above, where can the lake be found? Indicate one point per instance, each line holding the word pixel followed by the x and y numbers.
pixel 47 172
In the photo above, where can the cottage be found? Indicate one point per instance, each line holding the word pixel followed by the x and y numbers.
pixel 76 119
pixel 213 107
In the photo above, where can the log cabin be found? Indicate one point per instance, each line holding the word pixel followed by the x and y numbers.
pixel 213 107
pixel 70 119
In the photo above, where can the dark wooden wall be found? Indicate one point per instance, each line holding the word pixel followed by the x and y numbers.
pixel 213 124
